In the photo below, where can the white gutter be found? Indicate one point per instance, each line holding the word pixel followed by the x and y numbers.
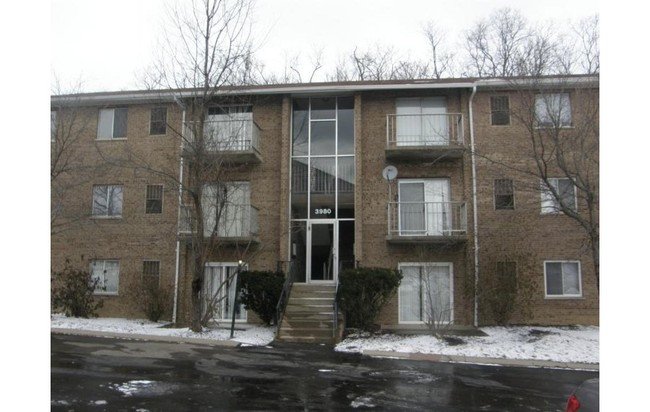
pixel 178 222
pixel 474 205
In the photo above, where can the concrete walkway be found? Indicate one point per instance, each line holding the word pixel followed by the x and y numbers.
pixel 529 363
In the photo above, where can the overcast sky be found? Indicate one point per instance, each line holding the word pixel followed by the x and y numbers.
pixel 104 44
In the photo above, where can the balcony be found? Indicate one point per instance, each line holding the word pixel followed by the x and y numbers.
pixel 422 137
pixel 232 138
pixel 427 222
pixel 238 224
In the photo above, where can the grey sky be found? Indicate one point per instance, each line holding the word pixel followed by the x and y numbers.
pixel 104 44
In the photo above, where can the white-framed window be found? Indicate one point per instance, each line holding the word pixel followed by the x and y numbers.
pixel 424 207
pixel 553 110
pixel 566 195
pixel 562 279
pixel 219 291
pixel 154 201
pixel 107 200
pixel 108 274
pixel 112 123
pixel 422 121
pixel 426 294
pixel 158 121
pixel 228 205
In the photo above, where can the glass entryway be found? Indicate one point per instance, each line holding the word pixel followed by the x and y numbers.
pixel 322 187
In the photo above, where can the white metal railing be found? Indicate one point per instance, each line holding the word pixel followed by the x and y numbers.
pixel 424 130
pixel 230 134
pixel 427 218
pixel 235 221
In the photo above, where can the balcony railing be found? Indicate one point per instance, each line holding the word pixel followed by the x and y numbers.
pixel 230 135
pixel 432 132
pixel 422 221
pixel 236 222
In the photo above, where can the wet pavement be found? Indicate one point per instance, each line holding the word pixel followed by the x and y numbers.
pixel 90 373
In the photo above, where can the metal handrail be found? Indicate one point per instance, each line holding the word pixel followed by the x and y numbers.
pixel 425 130
pixel 427 218
pixel 335 315
pixel 228 135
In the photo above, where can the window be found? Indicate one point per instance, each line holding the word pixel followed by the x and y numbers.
pixel 219 291
pixel 107 201
pixel 53 126
pixel 504 197
pixel 422 121
pixel 158 121
pixel 566 196
pixel 154 199
pixel 426 293
pixel 112 123
pixel 500 110
pixel 108 274
pixel 562 279
pixel 424 207
pixel 151 272
pixel 230 204
pixel 553 110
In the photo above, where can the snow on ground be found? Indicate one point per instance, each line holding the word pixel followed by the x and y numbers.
pixel 560 344
pixel 566 344
pixel 255 335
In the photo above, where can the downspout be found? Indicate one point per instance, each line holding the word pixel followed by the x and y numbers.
pixel 178 220
pixel 474 205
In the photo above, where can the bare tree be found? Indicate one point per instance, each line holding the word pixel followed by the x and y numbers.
pixel 441 61
pixel 560 152
pixel 70 168
pixel 208 48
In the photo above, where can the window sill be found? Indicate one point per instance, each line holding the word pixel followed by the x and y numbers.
pixel 106 217
pixel 112 139
pixel 571 297
pixel 106 294
pixel 553 127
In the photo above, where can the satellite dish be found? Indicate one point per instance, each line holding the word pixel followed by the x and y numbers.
pixel 389 173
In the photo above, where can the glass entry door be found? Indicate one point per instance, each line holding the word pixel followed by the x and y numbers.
pixel 322 259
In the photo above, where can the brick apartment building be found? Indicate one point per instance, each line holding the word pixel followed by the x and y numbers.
pixel 308 182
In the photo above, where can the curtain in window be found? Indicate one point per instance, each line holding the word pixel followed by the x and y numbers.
pixel 410 295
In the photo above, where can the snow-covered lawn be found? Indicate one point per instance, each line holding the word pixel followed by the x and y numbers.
pixel 572 344
pixel 575 344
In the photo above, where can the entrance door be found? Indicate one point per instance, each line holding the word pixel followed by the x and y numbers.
pixel 322 259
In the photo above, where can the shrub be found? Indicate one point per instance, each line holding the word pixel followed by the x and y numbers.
pixel 260 292
pixel 363 292
pixel 152 298
pixel 73 291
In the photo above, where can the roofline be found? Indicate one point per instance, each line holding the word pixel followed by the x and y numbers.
pixel 170 95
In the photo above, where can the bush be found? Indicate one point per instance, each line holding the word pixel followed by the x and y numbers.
pixel 260 292
pixel 363 292
pixel 152 298
pixel 73 291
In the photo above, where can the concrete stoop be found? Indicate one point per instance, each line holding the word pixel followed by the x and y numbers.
pixel 309 315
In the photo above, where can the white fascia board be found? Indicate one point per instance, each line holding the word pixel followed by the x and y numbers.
pixel 559 81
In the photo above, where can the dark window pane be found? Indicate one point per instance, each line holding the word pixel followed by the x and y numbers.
pixel 503 194
pixel 346 131
pixel 322 138
pixel 299 188
pixel 323 108
pixel 300 133
pixel 120 120
pixel 566 190
pixel 154 199
pixel 500 108
pixel 554 279
pixel 158 124
pixel 346 180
